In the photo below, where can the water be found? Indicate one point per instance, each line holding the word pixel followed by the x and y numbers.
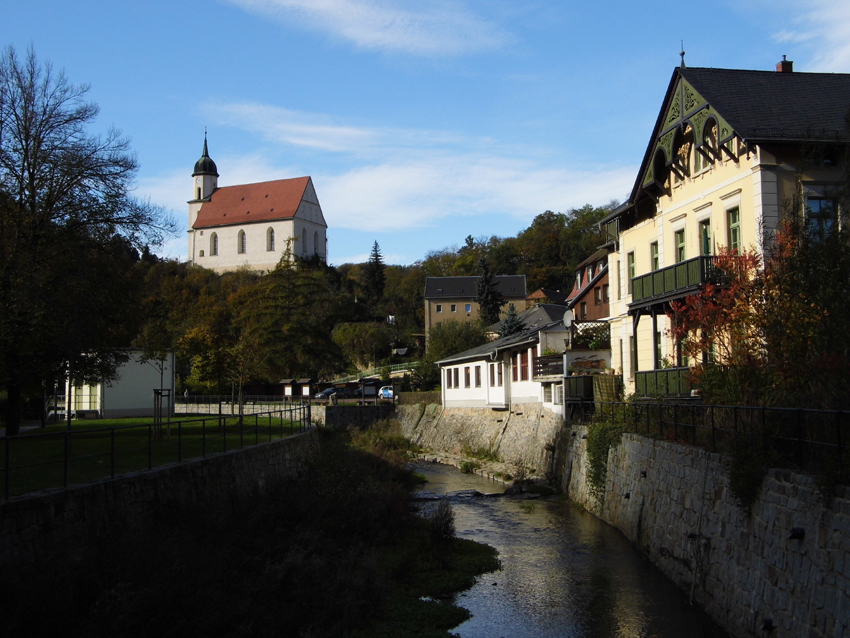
pixel 564 572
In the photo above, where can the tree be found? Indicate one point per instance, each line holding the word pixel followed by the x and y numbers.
pixel 489 297
pixel 362 342
pixel 374 274
pixel 511 324
pixel 66 217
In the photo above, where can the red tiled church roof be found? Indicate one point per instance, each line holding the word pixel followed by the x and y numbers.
pixel 246 203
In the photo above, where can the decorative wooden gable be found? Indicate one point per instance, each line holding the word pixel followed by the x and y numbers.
pixel 687 113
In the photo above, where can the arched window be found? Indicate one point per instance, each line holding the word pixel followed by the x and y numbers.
pixel 242 245
pixel 304 242
pixel 316 243
pixel 199 193
pixel 214 244
pixel 270 239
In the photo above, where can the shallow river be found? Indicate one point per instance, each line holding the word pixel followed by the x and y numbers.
pixel 564 572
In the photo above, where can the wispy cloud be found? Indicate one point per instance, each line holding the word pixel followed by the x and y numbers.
pixel 427 27
pixel 823 27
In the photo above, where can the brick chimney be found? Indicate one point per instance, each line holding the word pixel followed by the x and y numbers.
pixel 786 66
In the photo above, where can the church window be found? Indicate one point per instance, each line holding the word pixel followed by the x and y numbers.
pixel 201 254
pixel 214 244
pixel 199 194
pixel 316 243
pixel 270 239
pixel 242 245
pixel 304 242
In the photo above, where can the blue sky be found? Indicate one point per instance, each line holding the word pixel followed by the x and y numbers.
pixel 420 122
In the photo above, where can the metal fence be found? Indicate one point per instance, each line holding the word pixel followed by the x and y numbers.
pixel 40 460
pixel 814 440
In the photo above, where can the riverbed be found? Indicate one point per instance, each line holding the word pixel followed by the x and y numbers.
pixel 564 572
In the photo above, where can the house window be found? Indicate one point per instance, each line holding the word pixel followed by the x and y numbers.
pixel 578 280
pixel 515 367
pixel 477 376
pixel 469 307
pixel 583 310
pixel 270 239
pixel 630 266
pixel 820 216
pixel 201 254
pixel 499 381
pixel 653 255
pixel 523 365
pixel 241 242
pixel 439 307
pixel 449 378
pixel 457 377
pixel 733 217
pixel 680 246
pixel 547 393
pixel 632 357
pixel 597 296
pixel 214 244
pixel 466 376
pixel 604 293
pixel 492 375
pixel 705 237
pixel 454 307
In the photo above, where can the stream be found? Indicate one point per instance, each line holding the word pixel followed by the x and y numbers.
pixel 564 572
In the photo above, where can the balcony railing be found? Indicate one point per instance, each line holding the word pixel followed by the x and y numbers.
pixel 664 382
pixel 611 231
pixel 547 365
pixel 673 280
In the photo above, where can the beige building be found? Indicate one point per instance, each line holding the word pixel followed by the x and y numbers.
pixel 454 298
pixel 250 225
pixel 732 152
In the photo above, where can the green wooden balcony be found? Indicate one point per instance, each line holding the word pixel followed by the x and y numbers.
pixel 673 281
pixel 611 231
pixel 664 382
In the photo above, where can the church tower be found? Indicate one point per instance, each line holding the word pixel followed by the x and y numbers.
pixel 204 182
pixel 205 174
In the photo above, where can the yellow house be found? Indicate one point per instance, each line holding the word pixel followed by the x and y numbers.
pixel 732 151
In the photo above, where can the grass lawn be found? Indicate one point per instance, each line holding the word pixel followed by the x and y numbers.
pixel 101 448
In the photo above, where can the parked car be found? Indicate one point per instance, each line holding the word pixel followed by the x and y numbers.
pixel 341 393
pixel 365 391
pixel 386 392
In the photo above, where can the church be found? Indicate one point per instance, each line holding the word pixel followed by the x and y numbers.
pixel 250 225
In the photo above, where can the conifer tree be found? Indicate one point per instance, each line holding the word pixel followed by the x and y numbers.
pixel 489 297
pixel 375 276
pixel 512 324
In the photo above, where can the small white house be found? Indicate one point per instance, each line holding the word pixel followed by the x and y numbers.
pixel 508 371
pixel 130 394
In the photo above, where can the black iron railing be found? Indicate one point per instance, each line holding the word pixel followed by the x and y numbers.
pixel 547 365
pixel 813 440
pixel 38 460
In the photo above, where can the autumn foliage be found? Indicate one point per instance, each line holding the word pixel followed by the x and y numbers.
pixel 777 334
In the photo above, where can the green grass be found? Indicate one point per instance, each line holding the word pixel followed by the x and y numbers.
pixel 110 447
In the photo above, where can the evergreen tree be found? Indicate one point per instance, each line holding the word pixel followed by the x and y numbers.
pixel 374 274
pixel 489 297
pixel 512 324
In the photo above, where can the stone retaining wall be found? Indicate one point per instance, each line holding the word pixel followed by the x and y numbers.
pixel 524 435
pixel 46 524
pixel 344 416
pixel 674 502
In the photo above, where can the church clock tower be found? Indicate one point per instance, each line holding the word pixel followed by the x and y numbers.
pixel 204 182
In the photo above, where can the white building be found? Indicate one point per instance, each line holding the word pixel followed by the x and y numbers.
pixel 250 225
pixel 130 394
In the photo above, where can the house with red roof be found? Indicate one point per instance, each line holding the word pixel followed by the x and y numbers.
pixel 251 225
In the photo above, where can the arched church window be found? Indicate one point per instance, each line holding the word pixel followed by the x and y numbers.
pixel 242 245
pixel 214 244
pixel 304 242
pixel 270 239
pixel 316 243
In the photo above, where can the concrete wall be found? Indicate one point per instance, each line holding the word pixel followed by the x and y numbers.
pixel 674 502
pixel 345 416
pixel 43 525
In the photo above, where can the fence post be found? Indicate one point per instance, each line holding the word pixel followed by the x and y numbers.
pixel 6 457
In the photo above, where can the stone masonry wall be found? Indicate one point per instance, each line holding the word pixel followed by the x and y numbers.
pixel 674 502
pixel 525 434
pixel 46 524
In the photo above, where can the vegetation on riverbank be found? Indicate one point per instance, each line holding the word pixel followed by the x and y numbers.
pixel 340 553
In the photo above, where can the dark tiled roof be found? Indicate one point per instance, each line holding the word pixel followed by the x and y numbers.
pixel 536 316
pixel 511 287
pixel 494 347
pixel 767 105
pixel 555 296
pixel 246 203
